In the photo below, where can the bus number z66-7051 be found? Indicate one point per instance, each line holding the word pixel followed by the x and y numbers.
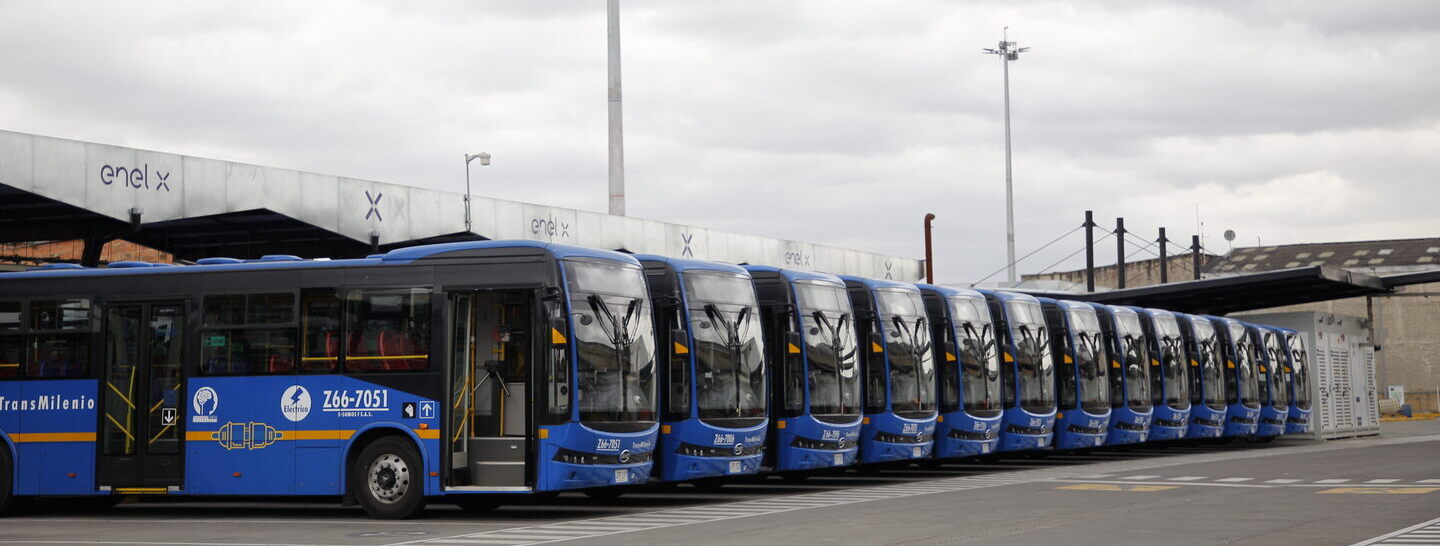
pixel 361 399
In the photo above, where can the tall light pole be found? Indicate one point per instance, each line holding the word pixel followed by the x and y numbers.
pixel 617 134
pixel 1008 52
pixel 484 158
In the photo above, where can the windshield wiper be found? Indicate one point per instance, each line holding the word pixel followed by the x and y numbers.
pixel 732 343
pixel 622 337
pixel 836 345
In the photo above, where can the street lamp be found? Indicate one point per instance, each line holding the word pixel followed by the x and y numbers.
pixel 1008 52
pixel 484 158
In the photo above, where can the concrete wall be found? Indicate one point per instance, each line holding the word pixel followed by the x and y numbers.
pixel 1139 273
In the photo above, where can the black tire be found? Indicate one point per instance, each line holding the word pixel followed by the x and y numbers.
pixel 711 484
pixel 8 503
pixel 794 477
pixel 476 504
pixel 604 494
pixel 388 480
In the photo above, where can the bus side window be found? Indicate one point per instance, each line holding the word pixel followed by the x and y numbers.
pixel 12 344
pixel 60 338
pixel 320 330
pixel 389 330
pixel 248 334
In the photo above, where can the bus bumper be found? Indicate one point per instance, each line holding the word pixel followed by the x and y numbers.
pixel 1128 426
pixel 1240 421
pixel 959 434
pixel 1298 422
pixel 1169 424
pixel 1272 422
pixel 1078 429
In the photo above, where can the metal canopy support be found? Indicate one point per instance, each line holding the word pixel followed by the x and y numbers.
pixel 1089 251
pixel 1195 255
pixel 1164 264
pixel 1120 253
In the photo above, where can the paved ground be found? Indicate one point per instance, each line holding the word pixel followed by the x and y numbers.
pixel 1289 492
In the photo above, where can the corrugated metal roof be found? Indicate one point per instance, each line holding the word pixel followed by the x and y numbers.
pixel 1367 254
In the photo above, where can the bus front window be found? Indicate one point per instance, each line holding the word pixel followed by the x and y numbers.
pixel 1212 377
pixel 1249 385
pixel 615 342
pixel 1090 359
pixel 1135 360
pixel 1277 378
pixel 729 354
pixel 1300 369
pixel 1172 362
pixel 829 332
pixel 912 365
pixel 1036 377
pixel 979 361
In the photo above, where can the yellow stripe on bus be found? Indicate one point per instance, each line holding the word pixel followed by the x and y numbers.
pixel 208 435
pixel 25 437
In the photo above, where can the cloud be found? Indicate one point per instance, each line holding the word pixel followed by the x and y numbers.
pixel 834 122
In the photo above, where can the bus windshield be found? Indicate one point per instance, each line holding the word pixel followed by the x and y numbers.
pixel 979 361
pixel 1300 370
pixel 729 354
pixel 1090 359
pixel 1249 385
pixel 1172 363
pixel 1036 385
pixel 614 340
pixel 1135 360
pixel 1276 380
pixel 908 348
pixel 829 332
pixel 1206 367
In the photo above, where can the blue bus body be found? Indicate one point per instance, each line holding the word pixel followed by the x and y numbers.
pixel 898 370
pixel 714 385
pixel 1169 384
pixel 1206 377
pixel 1082 389
pixel 1130 404
pixel 968 371
pixel 1274 380
pixel 808 326
pixel 226 378
pixel 1301 378
pixel 1242 387
pixel 1027 374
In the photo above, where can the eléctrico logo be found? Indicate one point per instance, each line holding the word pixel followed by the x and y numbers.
pixel 205 402
pixel 295 403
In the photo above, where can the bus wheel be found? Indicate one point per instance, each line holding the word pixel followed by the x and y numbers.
pixel 8 503
pixel 709 485
pixel 476 504
pixel 604 494
pixel 387 479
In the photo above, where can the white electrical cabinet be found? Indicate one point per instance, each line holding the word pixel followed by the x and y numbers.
pixel 1346 401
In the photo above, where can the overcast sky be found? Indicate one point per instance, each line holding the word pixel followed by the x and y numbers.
pixel 832 122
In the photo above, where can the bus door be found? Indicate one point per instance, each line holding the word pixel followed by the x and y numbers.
pixel 140 426
pixel 490 342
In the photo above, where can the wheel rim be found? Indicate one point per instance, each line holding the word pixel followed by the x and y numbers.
pixel 389 478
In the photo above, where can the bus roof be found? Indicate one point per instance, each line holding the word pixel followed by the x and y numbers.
pixel 682 264
pixel 399 256
pixel 795 275
pixel 880 283
pixel 948 292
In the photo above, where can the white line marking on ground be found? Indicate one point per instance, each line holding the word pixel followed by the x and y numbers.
pixel 1141 477
pixel 1333 480
pixel 1127 482
pixel 1187 478
pixel 1234 480
pixel 1283 480
pixel 1428 481
pixel 1385 538
pixel 1386 480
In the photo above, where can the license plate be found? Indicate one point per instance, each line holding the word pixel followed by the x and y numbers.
pixel 734 467
pixel 1044 441
pixel 915 452
pixel 839 458
pixel 985 448
pixel 622 475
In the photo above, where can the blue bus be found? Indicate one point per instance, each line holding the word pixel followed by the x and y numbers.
pixel 713 382
pixel 968 371
pixel 1242 387
pixel 455 372
pixel 1027 374
pixel 1274 381
pixel 1130 404
pixel 1169 386
pixel 898 366
pixel 1301 380
pixel 1206 377
pixel 1082 389
pixel 809 328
